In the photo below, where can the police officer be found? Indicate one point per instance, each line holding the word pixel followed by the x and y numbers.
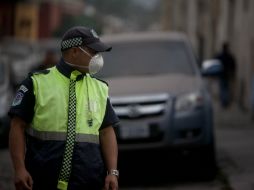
pixel 62 134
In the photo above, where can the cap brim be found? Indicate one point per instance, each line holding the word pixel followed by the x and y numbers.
pixel 99 47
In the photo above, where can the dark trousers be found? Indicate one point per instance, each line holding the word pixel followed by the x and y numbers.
pixel 225 97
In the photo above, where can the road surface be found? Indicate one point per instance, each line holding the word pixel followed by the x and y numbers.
pixel 235 156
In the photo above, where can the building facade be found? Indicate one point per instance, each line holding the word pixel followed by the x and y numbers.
pixel 35 19
pixel 210 23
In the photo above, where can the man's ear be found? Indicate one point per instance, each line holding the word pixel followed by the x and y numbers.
pixel 75 52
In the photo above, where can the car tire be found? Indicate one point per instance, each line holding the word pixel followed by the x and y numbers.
pixel 207 163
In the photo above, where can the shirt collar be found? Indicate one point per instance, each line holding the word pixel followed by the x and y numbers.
pixel 66 69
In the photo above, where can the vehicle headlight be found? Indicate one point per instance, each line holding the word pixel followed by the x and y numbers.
pixel 189 101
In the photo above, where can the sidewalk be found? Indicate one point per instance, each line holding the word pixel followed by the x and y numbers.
pixel 6 171
pixel 236 131
pixel 231 117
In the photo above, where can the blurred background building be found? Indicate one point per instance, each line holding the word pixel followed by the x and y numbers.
pixel 207 23
pixel 32 20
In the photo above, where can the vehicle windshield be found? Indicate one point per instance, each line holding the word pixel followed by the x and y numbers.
pixel 146 58
pixel 1 74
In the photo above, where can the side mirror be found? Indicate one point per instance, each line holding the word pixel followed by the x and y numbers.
pixel 211 67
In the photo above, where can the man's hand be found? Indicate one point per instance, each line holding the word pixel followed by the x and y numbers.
pixel 111 182
pixel 23 180
pixel 110 152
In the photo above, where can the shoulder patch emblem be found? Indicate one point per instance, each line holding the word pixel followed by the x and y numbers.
pixel 18 99
pixel 23 88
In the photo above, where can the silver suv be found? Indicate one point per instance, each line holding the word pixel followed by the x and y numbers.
pixel 157 90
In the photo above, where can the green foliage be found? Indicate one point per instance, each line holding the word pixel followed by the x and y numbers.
pixel 81 20
pixel 119 8
pixel 128 10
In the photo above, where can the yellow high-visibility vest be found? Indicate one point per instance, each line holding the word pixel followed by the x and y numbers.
pixel 50 119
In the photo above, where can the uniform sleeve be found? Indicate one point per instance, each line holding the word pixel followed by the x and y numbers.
pixel 110 118
pixel 24 101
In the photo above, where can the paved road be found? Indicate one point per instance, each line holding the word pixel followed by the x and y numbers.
pixel 235 145
pixel 5 171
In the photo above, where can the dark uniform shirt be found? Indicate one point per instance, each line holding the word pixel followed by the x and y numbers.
pixel 43 159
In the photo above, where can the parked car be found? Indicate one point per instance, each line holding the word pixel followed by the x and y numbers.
pixel 158 92
pixel 22 56
pixel 6 95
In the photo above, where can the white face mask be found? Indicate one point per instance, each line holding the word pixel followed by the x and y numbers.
pixel 95 64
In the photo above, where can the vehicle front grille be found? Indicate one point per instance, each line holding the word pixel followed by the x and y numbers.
pixel 156 135
pixel 135 107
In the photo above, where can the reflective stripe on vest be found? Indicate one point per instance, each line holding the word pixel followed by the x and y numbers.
pixel 51 106
pixel 61 136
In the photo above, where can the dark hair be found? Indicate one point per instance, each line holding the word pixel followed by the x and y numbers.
pixel 225 46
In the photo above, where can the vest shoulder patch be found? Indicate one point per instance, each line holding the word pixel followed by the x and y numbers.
pixel 100 80
pixel 46 71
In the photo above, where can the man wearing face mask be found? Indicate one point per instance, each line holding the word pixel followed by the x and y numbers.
pixel 62 134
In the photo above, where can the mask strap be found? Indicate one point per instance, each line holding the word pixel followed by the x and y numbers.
pixel 85 52
pixel 78 66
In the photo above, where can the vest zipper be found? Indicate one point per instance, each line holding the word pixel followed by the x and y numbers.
pixel 90 116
